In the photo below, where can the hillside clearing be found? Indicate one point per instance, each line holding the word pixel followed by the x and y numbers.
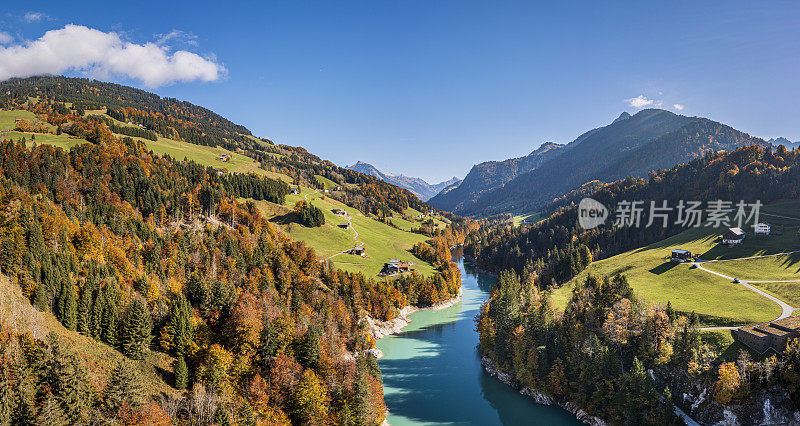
pixel 773 268
pixel 381 241
pixel 717 301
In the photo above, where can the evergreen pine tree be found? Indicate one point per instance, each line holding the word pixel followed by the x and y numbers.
pixel 670 312
pixel 35 239
pixel 85 306
pixel 134 335
pixel 68 382
pixel 96 317
pixel 40 297
pixel 267 346
pixel 361 410
pixel 179 332
pixel 109 323
pixel 308 352
pixel 68 305
pixel 181 374
pixel 123 387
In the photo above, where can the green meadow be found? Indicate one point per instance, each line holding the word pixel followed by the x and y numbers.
pixel 410 219
pixel 772 268
pixel 7 131
pixel 382 242
pixel 716 300
pixel 325 182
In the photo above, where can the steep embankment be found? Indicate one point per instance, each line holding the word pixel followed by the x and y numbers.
pixel 18 316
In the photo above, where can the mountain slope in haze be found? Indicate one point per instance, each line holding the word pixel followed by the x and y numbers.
pixel 631 146
pixel 491 175
pixel 785 142
pixel 418 186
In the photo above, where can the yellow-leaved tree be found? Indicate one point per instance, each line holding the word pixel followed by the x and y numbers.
pixel 728 383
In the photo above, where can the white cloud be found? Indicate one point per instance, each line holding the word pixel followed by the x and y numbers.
pixel 176 35
pixel 5 37
pixel 102 55
pixel 679 107
pixel 641 101
pixel 34 17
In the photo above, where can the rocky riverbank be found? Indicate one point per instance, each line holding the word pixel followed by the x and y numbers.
pixel 539 397
pixel 380 329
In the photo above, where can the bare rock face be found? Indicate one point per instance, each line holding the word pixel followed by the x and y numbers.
pixel 765 407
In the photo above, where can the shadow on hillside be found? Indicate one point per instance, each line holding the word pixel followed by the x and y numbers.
pixel 167 376
pixel 664 267
pixel 790 261
pixel 286 219
pixel 713 320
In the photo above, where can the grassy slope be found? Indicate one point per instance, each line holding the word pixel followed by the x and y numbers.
pixel 776 268
pixel 209 156
pixel 97 358
pixel 204 155
pixel 409 220
pixel 382 241
pixel 7 131
pixel 718 301
pixel 325 182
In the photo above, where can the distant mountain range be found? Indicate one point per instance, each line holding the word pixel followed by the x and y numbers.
pixel 490 175
pixel 418 186
pixel 632 145
pixel 785 142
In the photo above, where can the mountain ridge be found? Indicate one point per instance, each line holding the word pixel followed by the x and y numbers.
pixel 418 186
pixel 785 142
pixel 489 175
pixel 631 145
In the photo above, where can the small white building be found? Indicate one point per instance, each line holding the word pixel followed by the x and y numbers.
pixel 761 229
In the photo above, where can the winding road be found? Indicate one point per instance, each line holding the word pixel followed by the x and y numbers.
pixel 350 225
pixel 355 238
pixel 786 309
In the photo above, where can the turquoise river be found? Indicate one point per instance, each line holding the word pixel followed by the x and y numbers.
pixel 432 372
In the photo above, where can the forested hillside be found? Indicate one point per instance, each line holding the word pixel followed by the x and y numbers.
pixel 147 254
pixel 86 109
pixel 598 352
pixel 554 250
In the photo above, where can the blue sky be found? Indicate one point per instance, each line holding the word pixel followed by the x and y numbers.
pixel 429 88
